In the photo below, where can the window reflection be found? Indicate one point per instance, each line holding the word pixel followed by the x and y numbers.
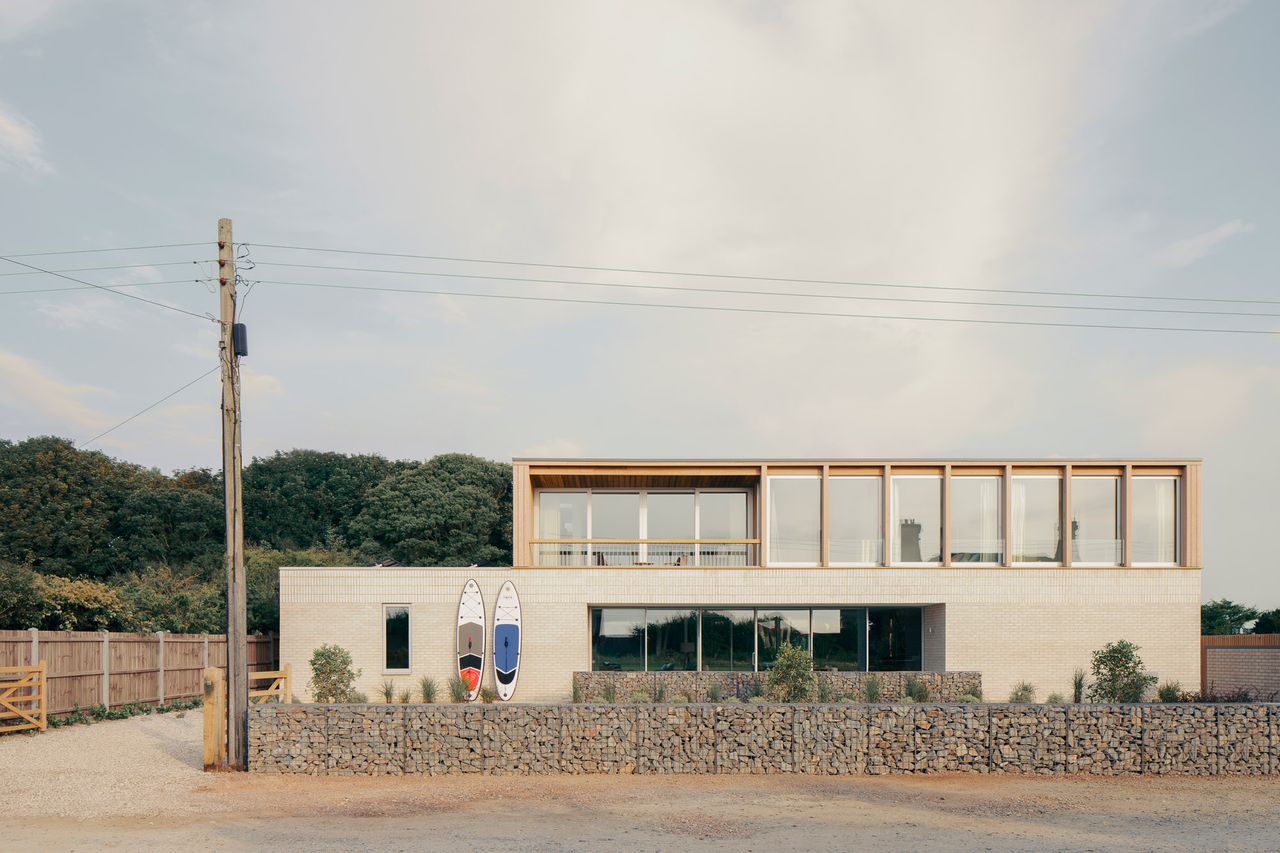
pixel 917 519
pixel 728 640
pixel 795 520
pixel 855 517
pixel 617 638
pixel 976 510
pixel 1036 520
pixel 1095 520
pixel 673 640
pixel 1155 520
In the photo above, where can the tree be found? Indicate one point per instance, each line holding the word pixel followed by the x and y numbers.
pixel 453 510
pixel 332 679
pixel 60 506
pixel 1268 622
pixel 262 579
pixel 21 600
pixel 791 679
pixel 307 498
pixel 171 525
pixel 164 599
pixel 1118 674
pixel 82 604
pixel 1225 617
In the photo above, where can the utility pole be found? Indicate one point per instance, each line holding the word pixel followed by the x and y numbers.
pixel 237 644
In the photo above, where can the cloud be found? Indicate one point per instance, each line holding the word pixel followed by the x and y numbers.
pixel 24 382
pixel 1186 252
pixel 21 17
pixel 20 145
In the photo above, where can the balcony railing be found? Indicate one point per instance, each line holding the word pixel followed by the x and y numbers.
pixel 644 552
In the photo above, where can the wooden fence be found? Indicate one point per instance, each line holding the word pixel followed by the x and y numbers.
pixel 87 668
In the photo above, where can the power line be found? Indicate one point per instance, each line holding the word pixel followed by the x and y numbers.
pixel 112 249
pixel 109 290
pixel 735 291
pixel 784 279
pixel 779 311
pixel 112 287
pixel 92 269
pixel 137 414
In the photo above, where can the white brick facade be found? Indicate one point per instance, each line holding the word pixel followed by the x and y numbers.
pixel 1011 624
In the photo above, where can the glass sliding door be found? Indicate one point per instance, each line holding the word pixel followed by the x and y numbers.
pixel 723 515
pixel 917 519
pixel 1155 520
pixel 617 639
pixel 1095 521
pixel 855 517
pixel 670 515
pixel 728 640
pixel 894 640
pixel 776 628
pixel 615 515
pixel 673 640
pixel 1036 523
pixel 562 515
pixel 840 639
pixel 976 512
pixel 795 520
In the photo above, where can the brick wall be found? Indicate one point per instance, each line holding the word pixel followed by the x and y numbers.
pixel 769 738
pixel 1252 668
pixel 1009 624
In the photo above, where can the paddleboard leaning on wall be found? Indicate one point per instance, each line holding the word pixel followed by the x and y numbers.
pixel 506 641
pixel 471 638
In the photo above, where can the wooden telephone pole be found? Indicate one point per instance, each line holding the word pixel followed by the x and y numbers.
pixel 237 645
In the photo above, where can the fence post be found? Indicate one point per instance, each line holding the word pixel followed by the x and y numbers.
pixel 44 697
pixel 286 695
pixel 215 715
pixel 204 659
pixel 35 645
pixel 160 664
pixel 106 670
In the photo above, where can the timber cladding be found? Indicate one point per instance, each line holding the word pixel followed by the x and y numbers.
pixel 88 668
pixel 841 739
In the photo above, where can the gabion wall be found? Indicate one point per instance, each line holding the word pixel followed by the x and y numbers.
pixel 697 686
pixel 841 739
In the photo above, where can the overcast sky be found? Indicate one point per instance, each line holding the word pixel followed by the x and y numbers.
pixel 1085 148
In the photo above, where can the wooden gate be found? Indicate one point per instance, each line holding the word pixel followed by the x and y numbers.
pixel 22 698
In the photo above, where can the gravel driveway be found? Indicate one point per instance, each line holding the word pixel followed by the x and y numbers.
pixel 137 785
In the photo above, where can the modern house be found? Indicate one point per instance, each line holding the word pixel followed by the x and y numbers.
pixel 1018 569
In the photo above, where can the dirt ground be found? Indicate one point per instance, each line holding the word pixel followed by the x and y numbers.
pixel 137 785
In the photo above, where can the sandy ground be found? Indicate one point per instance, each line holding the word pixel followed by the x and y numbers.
pixel 137 785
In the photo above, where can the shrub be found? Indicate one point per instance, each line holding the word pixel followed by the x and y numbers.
pixel 871 689
pixel 332 679
pixel 715 692
pixel 906 700
pixel 659 691
pixel 405 697
pixel 757 700
pixel 1023 692
pixel 792 678
pixel 1170 691
pixel 639 697
pixel 576 695
pixel 1054 698
pixel 358 698
pixel 918 691
pixel 680 699
pixel 1118 675
pixel 427 689
pixel 1077 686
pixel 388 691
pixel 824 691
pixel 488 695
pixel 610 692
pixel 969 699
pixel 458 689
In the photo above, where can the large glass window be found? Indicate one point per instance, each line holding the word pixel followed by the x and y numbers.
pixel 396 636
pixel 617 638
pixel 1095 520
pixel 776 628
pixel 976 512
pixel 795 520
pixel 673 640
pixel 728 640
pixel 840 639
pixel 670 516
pixel 855 518
pixel 562 515
pixel 723 515
pixel 615 515
pixel 1155 520
pixel 895 642
pixel 917 519
pixel 1035 534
